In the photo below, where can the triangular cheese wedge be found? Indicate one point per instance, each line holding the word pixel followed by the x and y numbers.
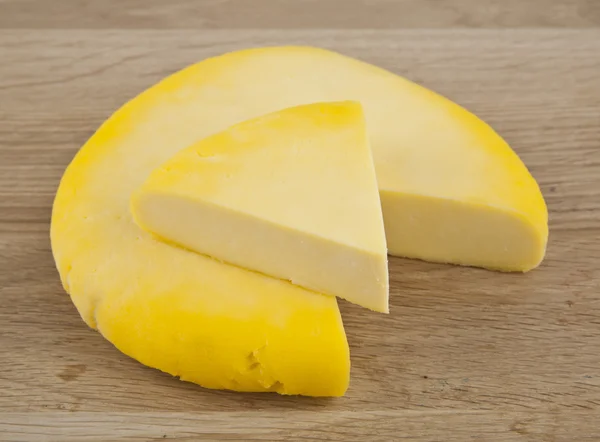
pixel 292 194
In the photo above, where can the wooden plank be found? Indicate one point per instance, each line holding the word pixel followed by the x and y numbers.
pixel 466 354
pixel 297 14
pixel 375 426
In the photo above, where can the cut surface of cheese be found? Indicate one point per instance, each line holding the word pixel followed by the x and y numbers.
pixel 291 194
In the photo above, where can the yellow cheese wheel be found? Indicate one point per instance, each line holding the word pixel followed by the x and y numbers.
pixel 291 194
pixel 451 190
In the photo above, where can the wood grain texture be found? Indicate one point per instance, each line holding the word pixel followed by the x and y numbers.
pixel 465 354
pixel 297 14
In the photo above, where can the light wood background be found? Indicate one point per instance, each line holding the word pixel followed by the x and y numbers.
pixel 466 354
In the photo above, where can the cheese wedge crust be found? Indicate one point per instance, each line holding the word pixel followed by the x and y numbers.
pixel 291 194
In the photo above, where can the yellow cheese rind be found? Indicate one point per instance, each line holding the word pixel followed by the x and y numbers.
pixel 292 194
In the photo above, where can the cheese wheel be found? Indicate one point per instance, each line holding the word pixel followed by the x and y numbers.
pixel 451 190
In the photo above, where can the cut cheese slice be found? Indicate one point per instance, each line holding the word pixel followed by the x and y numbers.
pixel 292 194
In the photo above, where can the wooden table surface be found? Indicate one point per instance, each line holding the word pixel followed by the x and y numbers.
pixel 466 354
